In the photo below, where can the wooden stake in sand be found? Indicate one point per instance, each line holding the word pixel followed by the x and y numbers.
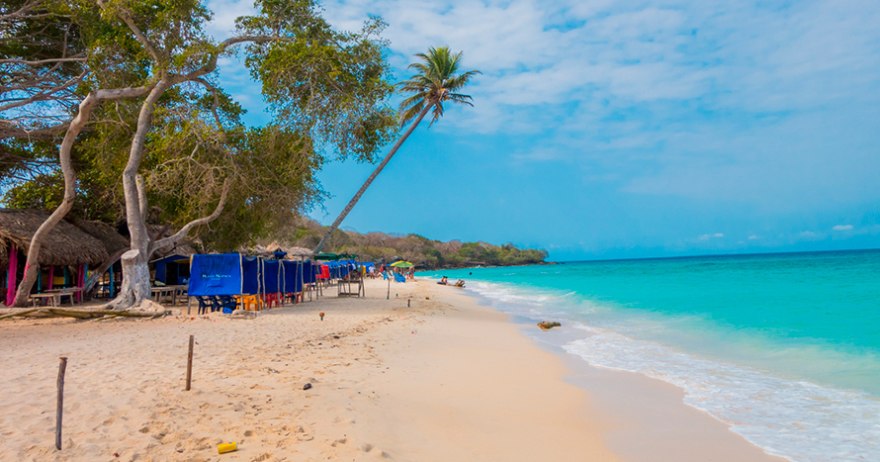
pixel 189 363
pixel 59 410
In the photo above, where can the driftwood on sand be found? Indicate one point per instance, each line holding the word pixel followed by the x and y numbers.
pixel 79 314
pixel 147 310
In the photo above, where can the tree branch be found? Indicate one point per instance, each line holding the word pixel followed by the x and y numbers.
pixel 43 61
pixel 178 236
pixel 46 94
pixel 138 34
pixel 214 93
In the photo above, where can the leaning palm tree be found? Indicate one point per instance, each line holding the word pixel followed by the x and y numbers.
pixel 435 82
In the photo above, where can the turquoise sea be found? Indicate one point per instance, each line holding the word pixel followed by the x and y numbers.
pixel 785 348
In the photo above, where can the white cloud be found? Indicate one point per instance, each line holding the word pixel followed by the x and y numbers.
pixel 842 228
pixel 222 25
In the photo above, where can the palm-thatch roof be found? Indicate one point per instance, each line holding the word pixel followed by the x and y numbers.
pixel 268 250
pixel 66 244
pixel 109 237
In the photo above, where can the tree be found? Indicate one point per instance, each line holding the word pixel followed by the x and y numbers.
pixel 327 88
pixel 436 82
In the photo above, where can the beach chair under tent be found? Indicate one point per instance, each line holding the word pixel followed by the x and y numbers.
pixel 399 277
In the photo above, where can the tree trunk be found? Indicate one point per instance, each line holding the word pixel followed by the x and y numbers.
pixel 32 264
pixel 135 286
pixel 136 280
pixel 354 200
pixel 99 271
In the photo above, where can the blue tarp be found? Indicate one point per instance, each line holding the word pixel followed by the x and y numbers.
pixel 251 275
pixel 309 272
pixel 172 270
pixel 271 276
pixel 215 274
pixel 224 274
pixel 292 282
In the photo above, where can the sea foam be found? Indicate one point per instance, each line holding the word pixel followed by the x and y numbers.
pixel 795 419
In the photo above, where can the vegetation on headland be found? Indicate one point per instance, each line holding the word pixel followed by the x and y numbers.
pixel 425 253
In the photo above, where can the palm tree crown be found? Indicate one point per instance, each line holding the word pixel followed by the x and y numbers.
pixel 435 83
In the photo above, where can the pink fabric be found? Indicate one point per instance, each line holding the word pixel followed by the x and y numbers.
pixel 80 280
pixel 13 272
pixel 51 283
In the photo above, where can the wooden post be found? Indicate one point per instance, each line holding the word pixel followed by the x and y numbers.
pixel 59 410
pixel 189 363
pixel 388 295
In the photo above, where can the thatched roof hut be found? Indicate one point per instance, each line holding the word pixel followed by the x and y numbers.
pixel 268 251
pixel 66 244
pixel 109 237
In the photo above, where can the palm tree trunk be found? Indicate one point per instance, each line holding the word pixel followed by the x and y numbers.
pixel 354 200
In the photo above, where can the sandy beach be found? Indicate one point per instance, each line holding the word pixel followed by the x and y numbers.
pixel 445 379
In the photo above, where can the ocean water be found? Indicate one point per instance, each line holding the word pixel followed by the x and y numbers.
pixel 785 348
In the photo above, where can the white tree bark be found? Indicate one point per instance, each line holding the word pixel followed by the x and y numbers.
pixel 135 286
pixel 32 263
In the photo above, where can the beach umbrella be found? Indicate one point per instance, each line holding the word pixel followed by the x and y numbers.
pixel 402 264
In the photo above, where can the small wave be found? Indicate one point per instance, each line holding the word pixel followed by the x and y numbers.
pixel 792 418
pixel 796 419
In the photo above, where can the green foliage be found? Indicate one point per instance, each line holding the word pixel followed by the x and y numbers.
pixel 327 87
pixel 43 192
pixel 327 83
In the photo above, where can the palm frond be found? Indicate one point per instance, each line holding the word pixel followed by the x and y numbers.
pixel 436 79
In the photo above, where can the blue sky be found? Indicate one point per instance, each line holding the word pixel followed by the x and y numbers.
pixel 606 129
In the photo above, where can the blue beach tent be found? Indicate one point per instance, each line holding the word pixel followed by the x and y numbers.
pixel 271 276
pixel 224 274
pixel 172 270
pixel 309 272
pixel 292 280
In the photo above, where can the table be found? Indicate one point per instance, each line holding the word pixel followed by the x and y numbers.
pixel 158 293
pixel 54 299
pixel 171 292
pixel 71 292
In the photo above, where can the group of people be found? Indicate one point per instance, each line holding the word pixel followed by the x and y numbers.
pixel 445 281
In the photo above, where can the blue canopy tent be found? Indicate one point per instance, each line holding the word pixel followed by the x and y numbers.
pixel 271 278
pixel 308 272
pixel 217 277
pixel 292 278
pixel 172 270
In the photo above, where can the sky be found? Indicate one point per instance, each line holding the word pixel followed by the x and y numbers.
pixel 620 129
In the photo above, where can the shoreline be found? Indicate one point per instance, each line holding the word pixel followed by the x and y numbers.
pixel 447 379
pixel 646 419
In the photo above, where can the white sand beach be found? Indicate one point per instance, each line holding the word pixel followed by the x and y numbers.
pixel 445 379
